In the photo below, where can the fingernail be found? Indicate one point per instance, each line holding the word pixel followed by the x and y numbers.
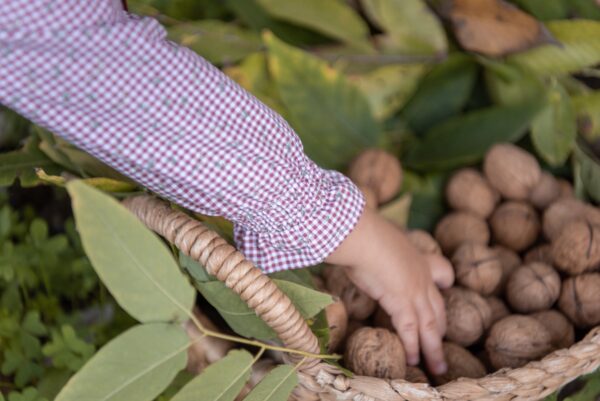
pixel 441 368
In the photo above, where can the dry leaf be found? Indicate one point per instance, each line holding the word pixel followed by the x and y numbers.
pixel 494 27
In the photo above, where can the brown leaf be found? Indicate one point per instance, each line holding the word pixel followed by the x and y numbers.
pixel 494 27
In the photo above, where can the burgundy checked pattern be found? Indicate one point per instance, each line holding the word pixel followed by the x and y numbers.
pixel 112 84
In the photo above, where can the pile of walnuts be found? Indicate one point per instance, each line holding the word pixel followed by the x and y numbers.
pixel 526 254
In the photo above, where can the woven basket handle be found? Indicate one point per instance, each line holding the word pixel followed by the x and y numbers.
pixel 229 266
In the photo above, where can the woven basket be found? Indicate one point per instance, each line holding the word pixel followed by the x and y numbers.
pixel 321 381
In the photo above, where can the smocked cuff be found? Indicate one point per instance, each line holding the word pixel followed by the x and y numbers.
pixel 333 213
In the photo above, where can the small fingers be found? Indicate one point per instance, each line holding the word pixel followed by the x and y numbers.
pixel 407 326
pixel 431 340
pixel 439 309
pixel 441 270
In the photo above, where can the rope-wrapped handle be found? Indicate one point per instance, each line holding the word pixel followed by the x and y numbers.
pixel 229 266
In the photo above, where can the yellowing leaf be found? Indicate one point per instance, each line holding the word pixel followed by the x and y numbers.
pixel 397 211
pixel 579 48
pixel 136 267
pixel 332 116
pixel 333 18
pixel 136 366
pixel 410 26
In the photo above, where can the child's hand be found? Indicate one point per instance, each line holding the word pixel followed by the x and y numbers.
pixel 382 262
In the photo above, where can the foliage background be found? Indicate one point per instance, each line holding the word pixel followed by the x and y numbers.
pixel 395 74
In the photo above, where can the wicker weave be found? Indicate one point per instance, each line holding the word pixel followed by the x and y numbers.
pixel 320 381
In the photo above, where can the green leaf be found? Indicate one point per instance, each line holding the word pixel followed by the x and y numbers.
pixel 217 41
pixel 587 108
pixel 277 385
pixel 585 9
pixel 554 129
pixel 333 118
pixel 67 350
pixel 221 381
pixel 579 48
pixel 442 93
pixel 33 324
pixel 589 169
pixel 464 139
pixel 21 164
pixel 244 321
pixel 509 84
pixel 136 366
pixel 388 88
pixel 411 27
pixel 427 202
pixel 133 263
pixel 544 9
pixel 333 18
pixel 28 394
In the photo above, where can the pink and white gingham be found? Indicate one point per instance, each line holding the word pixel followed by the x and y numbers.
pixel 110 83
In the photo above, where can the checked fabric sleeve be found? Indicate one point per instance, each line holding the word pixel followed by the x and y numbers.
pixel 112 84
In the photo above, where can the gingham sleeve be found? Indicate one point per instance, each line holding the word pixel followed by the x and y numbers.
pixel 110 83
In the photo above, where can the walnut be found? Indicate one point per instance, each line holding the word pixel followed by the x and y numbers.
pixel 358 304
pixel 337 319
pixel 459 227
pixel 468 315
pixel 203 350
pixel 477 267
pixel 370 197
pixel 565 211
pixel 469 191
pixel 516 340
pixel 566 189
pixel 561 330
pixel 415 375
pixel 577 248
pixel 580 299
pixel 509 260
pixel 424 242
pixel 515 225
pixel 541 253
pixel 376 352
pixel 512 171
pixel 461 363
pixel 533 287
pixel 498 308
pixel 382 319
pixel 545 192
pixel 378 170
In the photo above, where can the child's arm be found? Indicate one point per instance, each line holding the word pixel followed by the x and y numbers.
pixel 113 85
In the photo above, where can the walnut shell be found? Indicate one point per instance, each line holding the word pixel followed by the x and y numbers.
pixel 561 331
pixel 512 171
pixel 468 315
pixel 378 170
pixel 533 287
pixel 509 260
pixel 415 375
pixel 498 308
pixel 477 267
pixel 459 227
pixel 337 319
pixel 358 304
pixel 424 242
pixel 515 225
pixel 516 340
pixel 577 248
pixel 541 253
pixel 545 192
pixel 203 350
pixel 461 363
pixel 469 191
pixel 376 352
pixel 580 299
pixel 564 211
